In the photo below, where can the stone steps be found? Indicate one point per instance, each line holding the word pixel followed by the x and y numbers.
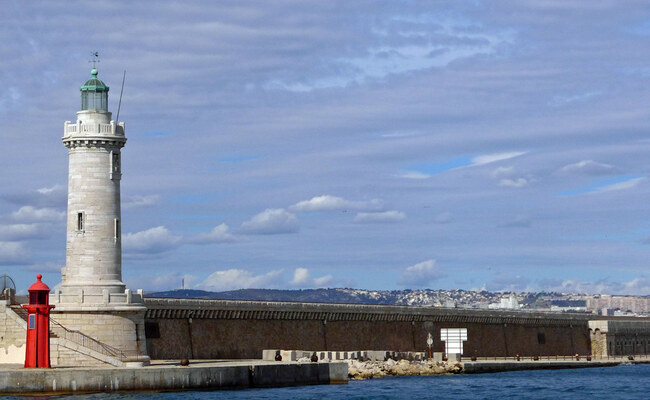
pixel 22 313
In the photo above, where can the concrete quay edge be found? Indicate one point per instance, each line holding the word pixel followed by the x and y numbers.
pixel 479 367
pixel 199 375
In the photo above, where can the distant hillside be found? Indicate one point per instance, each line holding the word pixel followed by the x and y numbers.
pixel 423 298
pixel 351 296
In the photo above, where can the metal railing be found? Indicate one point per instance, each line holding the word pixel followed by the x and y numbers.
pixel 86 341
pixel 115 129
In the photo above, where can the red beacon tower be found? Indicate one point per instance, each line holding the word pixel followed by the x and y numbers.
pixel 37 354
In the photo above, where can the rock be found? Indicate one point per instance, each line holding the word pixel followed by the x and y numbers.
pixel 454 368
pixel 405 367
pixel 437 370
pixel 378 369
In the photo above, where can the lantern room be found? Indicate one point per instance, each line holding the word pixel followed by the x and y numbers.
pixel 94 94
pixel 39 293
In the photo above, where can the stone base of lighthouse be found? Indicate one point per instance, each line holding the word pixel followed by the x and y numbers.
pixel 93 333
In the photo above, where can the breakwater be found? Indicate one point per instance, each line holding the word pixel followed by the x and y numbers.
pixel 618 383
pixel 530 363
pixel 163 376
pixel 225 329
pixel 379 369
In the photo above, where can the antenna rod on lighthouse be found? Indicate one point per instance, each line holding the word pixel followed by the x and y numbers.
pixel 119 105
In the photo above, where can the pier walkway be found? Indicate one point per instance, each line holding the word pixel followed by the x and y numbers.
pixel 169 376
pixel 503 364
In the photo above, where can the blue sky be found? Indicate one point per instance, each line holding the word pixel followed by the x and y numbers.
pixel 378 145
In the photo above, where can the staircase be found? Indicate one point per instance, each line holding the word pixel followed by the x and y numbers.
pixel 79 342
pixel 22 313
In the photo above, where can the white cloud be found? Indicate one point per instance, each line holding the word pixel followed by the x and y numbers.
pixel 558 101
pixel 239 279
pixel 413 175
pixel 55 196
pixel 610 185
pixel 150 241
pixel 577 286
pixel 32 214
pixel 421 274
pixel 390 57
pixel 54 190
pixel 271 221
pixel 589 167
pixel 506 179
pixel 161 282
pixel 514 183
pixel 444 218
pixel 140 201
pixel 219 234
pixel 323 281
pixel 639 286
pixel 301 277
pixel 379 217
pixel 628 184
pixel 333 203
pixel 502 171
pixel 428 170
pixel 490 158
pixel 12 253
pixel 18 232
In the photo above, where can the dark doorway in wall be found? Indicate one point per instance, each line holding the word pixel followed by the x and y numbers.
pixel 151 330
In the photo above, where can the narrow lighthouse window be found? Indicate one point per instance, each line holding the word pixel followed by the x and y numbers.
pixel 116 163
pixel 117 228
pixel 80 221
pixel 32 321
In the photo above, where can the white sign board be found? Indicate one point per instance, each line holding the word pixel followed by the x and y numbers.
pixel 453 338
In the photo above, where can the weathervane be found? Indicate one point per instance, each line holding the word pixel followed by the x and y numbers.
pixel 95 58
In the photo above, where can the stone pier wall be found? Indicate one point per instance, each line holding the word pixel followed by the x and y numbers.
pixel 619 337
pixel 122 330
pixel 177 328
pixel 13 335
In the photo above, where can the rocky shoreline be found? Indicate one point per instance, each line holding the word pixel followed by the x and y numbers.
pixel 379 369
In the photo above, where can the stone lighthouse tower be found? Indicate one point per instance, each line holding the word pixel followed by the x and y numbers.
pixel 94 243
pixel 92 298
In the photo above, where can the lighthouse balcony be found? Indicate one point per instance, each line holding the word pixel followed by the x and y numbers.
pixel 93 130
pixel 83 297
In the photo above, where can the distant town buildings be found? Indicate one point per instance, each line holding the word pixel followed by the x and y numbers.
pixel 444 298
pixel 625 304
pixel 510 302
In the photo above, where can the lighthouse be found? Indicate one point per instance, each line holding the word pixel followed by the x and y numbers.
pixel 92 298
pixel 94 242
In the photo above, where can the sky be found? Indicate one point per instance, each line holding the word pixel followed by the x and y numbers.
pixel 498 145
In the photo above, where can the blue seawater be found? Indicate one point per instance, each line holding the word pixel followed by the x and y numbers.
pixel 621 382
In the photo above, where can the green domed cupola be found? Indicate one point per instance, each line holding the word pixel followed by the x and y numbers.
pixel 94 94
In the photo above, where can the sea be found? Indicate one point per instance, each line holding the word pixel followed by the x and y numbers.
pixel 620 382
